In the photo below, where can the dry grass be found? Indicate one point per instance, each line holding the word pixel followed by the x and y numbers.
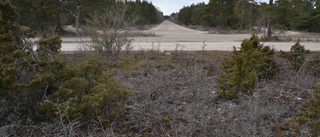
pixel 180 100
pixel 175 95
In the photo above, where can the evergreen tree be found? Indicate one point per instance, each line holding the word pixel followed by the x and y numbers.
pixel 17 62
pixel 185 15
pixel 243 14
pixel 50 15
pixel 220 12
pixel 197 14
pixel 244 11
pixel 41 15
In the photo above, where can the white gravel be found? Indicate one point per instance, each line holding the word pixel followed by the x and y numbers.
pixel 169 35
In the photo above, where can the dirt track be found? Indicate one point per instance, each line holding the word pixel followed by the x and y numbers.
pixel 169 35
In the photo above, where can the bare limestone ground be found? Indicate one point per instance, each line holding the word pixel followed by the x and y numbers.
pixel 170 36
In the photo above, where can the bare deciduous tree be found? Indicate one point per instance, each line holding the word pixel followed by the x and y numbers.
pixel 107 34
pixel 75 14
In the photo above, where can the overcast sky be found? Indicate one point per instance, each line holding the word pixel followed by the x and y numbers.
pixel 171 6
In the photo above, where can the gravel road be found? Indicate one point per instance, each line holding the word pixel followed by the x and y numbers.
pixel 170 36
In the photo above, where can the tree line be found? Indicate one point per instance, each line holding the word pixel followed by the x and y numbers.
pixel 301 15
pixel 51 15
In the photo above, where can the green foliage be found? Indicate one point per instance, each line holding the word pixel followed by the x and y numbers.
pixel 80 92
pixel 244 10
pixel 49 47
pixel 295 125
pixel 313 66
pixel 16 66
pixel 291 14
pixel 296 55
pixel 8 16
pixel 185 15
pixel 216 13
pixel 314 110
pixel 145 12
pixel 220 12
pixel 246 67
pixel 51 15
pixel 244 14
pixel 12 53
pixel 41 15
pixel 197 13
pixel 36 85
pixel 312 113
pixel 310 22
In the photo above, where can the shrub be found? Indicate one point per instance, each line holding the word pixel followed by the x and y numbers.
pixel 246 67
pixel 80 92
pixel 313 66
pixel 296 55
pixel 48 47
pixel 35 85
pixel 17 66
pixel 310 118
pixel 106 31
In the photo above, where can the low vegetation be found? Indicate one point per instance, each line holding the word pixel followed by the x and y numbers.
pixel 296 55
pixel 252 63
pixel 253 91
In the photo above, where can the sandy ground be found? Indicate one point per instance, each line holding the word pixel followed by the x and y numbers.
pixel 170 36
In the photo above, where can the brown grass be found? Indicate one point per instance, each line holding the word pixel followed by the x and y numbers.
pixel 175 95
